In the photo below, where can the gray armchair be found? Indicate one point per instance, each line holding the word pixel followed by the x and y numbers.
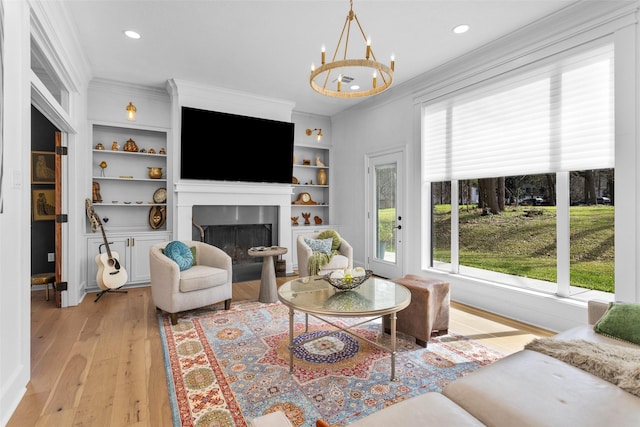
pixel 338 262
pixel 207 282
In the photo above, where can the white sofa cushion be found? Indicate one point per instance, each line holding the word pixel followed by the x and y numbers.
pixel 202 277
pixel 429 409
pixel 530 389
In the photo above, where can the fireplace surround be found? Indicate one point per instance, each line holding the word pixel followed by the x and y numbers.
pixel 209 205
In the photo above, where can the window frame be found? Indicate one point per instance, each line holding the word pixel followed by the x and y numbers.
pixel 562 286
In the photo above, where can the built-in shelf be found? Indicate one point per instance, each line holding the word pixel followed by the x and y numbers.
pixel 117 178
pixel 123 183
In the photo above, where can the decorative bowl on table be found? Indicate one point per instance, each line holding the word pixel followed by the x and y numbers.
pixel 348 279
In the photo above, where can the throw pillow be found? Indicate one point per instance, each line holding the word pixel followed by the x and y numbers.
pixel 193 252
pixel 621 321
pixel 180 254
pixel 331 234
pixel 319 245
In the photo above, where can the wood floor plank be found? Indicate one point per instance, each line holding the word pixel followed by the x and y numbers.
pixel 130 399
pixel 29 411
pixel 96 405
pixel 61 418
pixel 67 392
pixel 43 376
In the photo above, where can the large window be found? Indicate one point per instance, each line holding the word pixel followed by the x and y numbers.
pixel 520 176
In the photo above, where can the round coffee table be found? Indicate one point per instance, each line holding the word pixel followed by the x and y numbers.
pixel 316 297
pixel 268 287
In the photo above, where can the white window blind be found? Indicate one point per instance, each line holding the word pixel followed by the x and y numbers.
pixel 556 117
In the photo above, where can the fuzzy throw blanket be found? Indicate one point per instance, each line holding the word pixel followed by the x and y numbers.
pixel 317 260
pixel 616 364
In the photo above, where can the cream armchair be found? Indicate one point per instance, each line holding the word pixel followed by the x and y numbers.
pixel 338 262
pixel 207 282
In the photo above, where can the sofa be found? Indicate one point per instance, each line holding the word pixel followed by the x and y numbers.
pixel 527 388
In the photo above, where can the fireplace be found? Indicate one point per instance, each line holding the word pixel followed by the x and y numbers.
pixel 236 240
pixel 236 229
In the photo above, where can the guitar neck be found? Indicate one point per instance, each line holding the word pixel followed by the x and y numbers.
pixel 106 242
pixel 94 217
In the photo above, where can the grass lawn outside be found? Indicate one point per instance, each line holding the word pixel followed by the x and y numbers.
pixel 521 241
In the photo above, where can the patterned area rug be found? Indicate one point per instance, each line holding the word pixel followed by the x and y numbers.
pixel 227 367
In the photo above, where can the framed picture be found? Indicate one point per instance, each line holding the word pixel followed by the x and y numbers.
pixel 43 204
pixel 43 167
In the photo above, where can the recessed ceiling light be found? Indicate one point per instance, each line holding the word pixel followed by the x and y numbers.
pixel 354 87
pixel 131 34
pixel 461 29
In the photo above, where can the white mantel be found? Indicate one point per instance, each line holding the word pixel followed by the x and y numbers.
pixel 190 194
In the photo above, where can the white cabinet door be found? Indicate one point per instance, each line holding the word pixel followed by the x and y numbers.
pixel 133 254
pixel 139 251
pixel 96 246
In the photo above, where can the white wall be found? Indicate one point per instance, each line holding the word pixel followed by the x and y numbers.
pixel 14 221
pixel 393 119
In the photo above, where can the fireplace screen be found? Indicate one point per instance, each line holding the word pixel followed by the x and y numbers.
pixel 236 240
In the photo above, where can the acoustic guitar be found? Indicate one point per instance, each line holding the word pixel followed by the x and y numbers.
pixel 111 274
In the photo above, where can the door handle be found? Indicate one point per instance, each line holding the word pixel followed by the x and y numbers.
pixel 399 227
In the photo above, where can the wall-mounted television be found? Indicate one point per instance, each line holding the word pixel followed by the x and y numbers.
pixel 217 146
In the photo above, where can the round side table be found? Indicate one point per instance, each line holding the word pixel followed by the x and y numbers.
pixel 268 287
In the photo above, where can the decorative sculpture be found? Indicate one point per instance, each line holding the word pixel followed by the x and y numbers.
pixel 317 219
pixel 97 198
pixel 318 161
pixel 294 220
pixel 306 216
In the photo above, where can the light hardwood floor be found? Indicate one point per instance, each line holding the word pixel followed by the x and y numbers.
pixel 101 363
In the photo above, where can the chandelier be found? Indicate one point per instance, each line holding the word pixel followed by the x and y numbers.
pixel 351 78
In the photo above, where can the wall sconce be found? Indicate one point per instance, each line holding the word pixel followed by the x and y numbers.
pixel 318 136
pixel 131 111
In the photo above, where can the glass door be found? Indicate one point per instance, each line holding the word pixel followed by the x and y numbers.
pixel 385 214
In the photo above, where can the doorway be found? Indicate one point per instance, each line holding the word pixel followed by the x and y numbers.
pixel 385 189
pixel 46 189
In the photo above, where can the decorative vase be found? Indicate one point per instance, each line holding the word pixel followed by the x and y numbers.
pixel 155 173
pixel 130 146
pixel 322 177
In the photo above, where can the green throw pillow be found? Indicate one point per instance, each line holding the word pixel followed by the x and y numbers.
pixel 193 253
pixel 331 234
pixel 621 321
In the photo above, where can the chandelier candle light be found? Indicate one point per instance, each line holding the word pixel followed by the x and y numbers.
pixel 352 72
